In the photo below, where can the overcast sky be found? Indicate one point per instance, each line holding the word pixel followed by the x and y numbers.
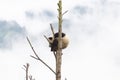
pixel 93 27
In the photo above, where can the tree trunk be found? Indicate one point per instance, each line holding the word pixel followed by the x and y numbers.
pixel 59 51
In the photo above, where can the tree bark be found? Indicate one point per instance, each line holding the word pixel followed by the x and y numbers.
pixel 59 51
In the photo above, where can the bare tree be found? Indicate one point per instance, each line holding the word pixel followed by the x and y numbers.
pixel 26 68
pixel 58 53
pixel 31 78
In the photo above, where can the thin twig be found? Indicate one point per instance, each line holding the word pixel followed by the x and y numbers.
pixel 46 65
pixel 53 38
pixel 65 12
pixel 54 54
pixel 33 57
pixel 23 68
pixel 26 70
pixel 52 30
pixel 47 39
pixel 32 47
pixel 38 58
pixel 65 78
pixel 31 77
pixel 43 63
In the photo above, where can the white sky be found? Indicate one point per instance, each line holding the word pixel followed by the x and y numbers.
pixel 92 25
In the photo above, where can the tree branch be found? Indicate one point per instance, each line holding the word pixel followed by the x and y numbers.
pixel 34 57
pixel 26 70
pixel 64 12
pixel 31 78
pixel 38 58
pixel 52 30
pixel 54 54
pixel 65 78
pixel 47 39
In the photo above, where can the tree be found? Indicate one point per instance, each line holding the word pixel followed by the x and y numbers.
pixel 58 53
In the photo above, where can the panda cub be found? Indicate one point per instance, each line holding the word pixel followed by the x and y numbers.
pixel 53 43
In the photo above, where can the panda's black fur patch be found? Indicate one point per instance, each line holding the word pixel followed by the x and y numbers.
pixel 54 45
pixel 56 35
pixel 50 38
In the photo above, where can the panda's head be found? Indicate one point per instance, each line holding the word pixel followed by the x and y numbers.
pixel 56 35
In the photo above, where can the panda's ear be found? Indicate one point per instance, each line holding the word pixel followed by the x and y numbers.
pixel 56 35
pixel 50 38
pixel 63 34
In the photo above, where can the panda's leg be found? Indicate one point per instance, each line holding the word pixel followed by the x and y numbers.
pixel 54 45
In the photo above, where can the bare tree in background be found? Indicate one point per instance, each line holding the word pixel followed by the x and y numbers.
pixel 26 68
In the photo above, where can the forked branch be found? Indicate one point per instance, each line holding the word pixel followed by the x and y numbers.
pixel 38 58
pixel 31 78
pixel 26 67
